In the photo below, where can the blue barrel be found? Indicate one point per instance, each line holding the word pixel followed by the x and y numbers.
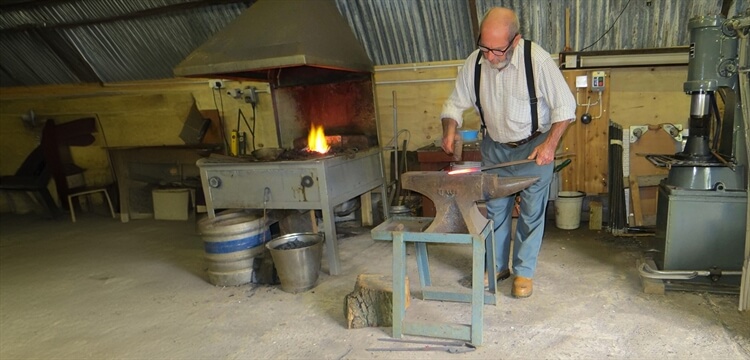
pixel 231 242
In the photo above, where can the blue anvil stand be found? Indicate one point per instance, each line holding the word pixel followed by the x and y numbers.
pixel 458 221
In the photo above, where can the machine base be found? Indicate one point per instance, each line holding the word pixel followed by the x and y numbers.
pixel 700 230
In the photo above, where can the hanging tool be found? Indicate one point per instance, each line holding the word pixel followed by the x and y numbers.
pixel 561 166
pixel 453 347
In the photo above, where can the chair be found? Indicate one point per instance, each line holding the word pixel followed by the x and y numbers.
pixel 89 191
pixel 56 143
pixel 32 177
pixel 57 139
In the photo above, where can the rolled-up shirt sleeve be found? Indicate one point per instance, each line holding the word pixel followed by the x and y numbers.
pixel 462 97
pixel 560 99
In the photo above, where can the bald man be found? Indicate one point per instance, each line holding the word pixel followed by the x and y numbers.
pixel 509 133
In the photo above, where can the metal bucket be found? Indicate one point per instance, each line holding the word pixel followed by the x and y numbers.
pixel 231 241
pixel 400 210
pixel 297 260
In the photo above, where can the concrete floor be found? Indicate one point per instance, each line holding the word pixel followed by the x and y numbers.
pixel 100 289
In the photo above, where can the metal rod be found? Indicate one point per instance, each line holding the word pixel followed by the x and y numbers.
pixel 425 342
pixel 416 67
pixel 646 271
pixel 395 133
pixel 509 163
pixel 397 82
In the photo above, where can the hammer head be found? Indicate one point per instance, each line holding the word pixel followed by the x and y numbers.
pixel 458 149
pixel 455 197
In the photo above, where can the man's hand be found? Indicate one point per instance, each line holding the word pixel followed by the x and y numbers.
pixel 545 152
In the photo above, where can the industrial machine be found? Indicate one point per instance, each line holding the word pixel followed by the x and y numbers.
pixel 702 204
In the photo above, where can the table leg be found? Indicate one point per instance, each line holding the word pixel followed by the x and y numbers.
pixel 366 208
pixel 332 244
pixel 399 288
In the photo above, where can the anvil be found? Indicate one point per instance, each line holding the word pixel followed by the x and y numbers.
pixel 456 196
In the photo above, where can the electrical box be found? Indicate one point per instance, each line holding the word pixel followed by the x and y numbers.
pixel 582 81
pixel 597 80
pixel 216 84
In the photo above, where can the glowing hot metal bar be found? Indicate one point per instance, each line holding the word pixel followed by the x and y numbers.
pixel 477 169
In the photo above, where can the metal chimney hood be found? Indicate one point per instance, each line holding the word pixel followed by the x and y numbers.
pixel 285 43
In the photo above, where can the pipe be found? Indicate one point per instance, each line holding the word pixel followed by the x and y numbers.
pixel 647 272
pixel 416 67
pixel 397 82
pixel 395 133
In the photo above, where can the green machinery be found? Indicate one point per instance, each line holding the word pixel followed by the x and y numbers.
pixel 702 204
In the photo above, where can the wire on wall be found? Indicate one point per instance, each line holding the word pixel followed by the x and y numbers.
pixel 240 114
pixel 221 121
pixel 610 27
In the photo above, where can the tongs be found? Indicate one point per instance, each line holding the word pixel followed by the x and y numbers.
pixel 509 163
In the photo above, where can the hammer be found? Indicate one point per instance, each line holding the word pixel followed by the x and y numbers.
pixel 458 148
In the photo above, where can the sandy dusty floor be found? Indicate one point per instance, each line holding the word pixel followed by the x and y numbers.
pixel 101 289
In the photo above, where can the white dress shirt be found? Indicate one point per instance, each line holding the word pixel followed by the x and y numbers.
pixel 505 97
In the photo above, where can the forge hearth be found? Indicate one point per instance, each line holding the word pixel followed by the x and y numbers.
pixel 314 181
pixel 319 76
pixel 304 154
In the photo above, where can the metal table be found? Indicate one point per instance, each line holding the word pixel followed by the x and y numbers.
pixel 154 164
pixel 315 184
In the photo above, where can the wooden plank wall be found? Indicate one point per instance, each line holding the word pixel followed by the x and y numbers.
pixel 153 112
pixel 588 142
pixel 416 92
pixel 128 114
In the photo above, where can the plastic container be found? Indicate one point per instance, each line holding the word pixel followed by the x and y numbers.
pixel 171 204
pixel 568 209
pixel 298 265
pixel 469 135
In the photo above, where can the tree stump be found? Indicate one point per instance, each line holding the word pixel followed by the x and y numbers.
pixel 371 302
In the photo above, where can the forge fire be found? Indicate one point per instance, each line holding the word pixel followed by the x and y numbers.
pixel 316 140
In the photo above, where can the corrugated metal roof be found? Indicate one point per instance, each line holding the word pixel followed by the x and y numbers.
pixel 67 42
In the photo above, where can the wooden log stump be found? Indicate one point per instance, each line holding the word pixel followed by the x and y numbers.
pixel 371 302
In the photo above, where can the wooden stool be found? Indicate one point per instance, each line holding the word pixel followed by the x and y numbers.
pixel 89 191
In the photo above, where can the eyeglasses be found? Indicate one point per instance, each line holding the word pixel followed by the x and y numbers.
pixel 496 52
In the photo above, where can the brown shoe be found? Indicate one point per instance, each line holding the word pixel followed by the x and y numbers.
pixel 521 287
pixel 499 276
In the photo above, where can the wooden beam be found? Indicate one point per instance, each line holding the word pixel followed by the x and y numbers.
pixel 635 194
pixel 474 18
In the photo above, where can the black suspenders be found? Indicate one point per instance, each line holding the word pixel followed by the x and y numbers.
pixel 530 85
pixel 533 100
pixel 477 75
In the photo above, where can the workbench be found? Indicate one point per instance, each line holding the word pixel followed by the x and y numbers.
pixel 154 165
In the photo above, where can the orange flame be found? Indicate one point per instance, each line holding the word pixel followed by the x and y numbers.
pixel 316 140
